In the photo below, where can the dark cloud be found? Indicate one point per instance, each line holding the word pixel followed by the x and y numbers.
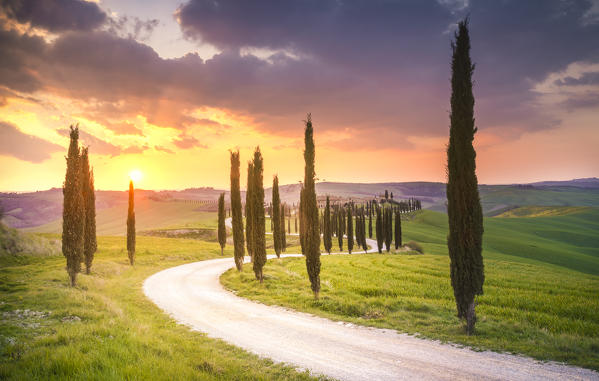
pixel 55 15
pixel 30 148
pixel 132 27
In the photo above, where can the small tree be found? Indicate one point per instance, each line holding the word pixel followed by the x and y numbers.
pixel 379 230
pixel 326 236
pixel 282 227
pixel 350 230
pixel 73 212
pixel 222 230
pixel 131 225
pixel 389 229
pixel 310 211
pixel 258 229
pixel 249 213
pixel 340 215
pixel 398 242
pixel 276 216
pixel 237 218
pixel 90 244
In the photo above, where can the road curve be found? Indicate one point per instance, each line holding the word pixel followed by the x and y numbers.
pixel 192 295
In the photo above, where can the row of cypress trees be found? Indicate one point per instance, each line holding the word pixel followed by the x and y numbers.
pixel 79 241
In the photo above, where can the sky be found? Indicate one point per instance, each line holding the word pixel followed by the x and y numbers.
pixel 167 88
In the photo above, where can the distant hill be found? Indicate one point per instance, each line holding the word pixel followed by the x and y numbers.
pixel 44 208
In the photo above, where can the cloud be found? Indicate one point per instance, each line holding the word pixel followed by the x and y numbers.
pixel 55 15
pixel 25 147
pixel 98 146
pixel 164 149
pixel 186 142
pixel 574 87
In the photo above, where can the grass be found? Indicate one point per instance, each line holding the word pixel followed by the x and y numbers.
pixel 540 291
pixel 542 211
pixel 105 328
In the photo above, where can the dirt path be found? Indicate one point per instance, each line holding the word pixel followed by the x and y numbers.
pixel 192 295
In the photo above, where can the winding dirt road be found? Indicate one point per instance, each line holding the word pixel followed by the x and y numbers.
pixel 192 295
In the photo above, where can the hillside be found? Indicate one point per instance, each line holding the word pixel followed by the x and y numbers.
pixel 43 210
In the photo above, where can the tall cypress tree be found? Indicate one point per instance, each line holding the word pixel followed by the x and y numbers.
pixel 301 221
pixel 249 212
pixel 276 216
pixel 90 244
pixel 379 230
pixel 131 225
pixel 398 242
pixel 463 201
pixel 350 230
pixel 310 212
pixel 258 228
pixel 327 235
pixel 370 223
pixel 237 217
pixel 222 230
pixel 73 212
pixel 282 227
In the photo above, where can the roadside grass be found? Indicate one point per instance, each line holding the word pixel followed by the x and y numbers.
pixel 540 311
pixel 105 328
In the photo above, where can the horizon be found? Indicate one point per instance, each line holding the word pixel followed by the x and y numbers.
pixel 226 189
pixel 170 88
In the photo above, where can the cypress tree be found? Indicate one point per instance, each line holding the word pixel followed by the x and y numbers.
pixel 370 223
pixel 258 228
pixel 131 225
pixel 463 201
pixel 222 230
pixel 73 212
pixel 327 235
pixel 350 230
pixel 249 215
pixel 276 216
pixel 90 244
pixel 340 214
pixel 237 218
pixel 379 230
pixel 398 242
pixel 310 212
pixel 389 227
pixel 282 227
pixel 295 222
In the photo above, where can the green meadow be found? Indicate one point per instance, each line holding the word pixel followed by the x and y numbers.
pixel 541 290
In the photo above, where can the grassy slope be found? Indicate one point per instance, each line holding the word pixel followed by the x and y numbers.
pixel 149 214
pixel 121 334
pixel 535 302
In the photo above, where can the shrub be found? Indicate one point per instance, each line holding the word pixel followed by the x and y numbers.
pixel 415 246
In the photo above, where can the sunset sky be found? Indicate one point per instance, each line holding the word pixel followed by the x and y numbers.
pixel 167 88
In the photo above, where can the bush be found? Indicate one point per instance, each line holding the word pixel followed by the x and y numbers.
pixel 415 246
pixel 13 242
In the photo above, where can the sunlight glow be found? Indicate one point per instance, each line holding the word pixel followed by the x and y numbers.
pixel 136 175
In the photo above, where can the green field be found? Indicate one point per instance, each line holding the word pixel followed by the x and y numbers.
pixel 105 328
pixel 541 291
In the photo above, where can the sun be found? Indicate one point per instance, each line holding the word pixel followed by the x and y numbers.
pixel 136 175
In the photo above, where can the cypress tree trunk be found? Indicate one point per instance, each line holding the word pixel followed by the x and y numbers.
pixel 258 228
pixel 463 201
pixel 379 230
pixel 276 216
pixel 326 236
pixel 282 227
pixel 398 242
pixel 237 218
pixel 222 230
pixel 131 225
pixel 73 212
pixel 249 212
pixel 90 244
pixel 350 230
pixel 310 212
